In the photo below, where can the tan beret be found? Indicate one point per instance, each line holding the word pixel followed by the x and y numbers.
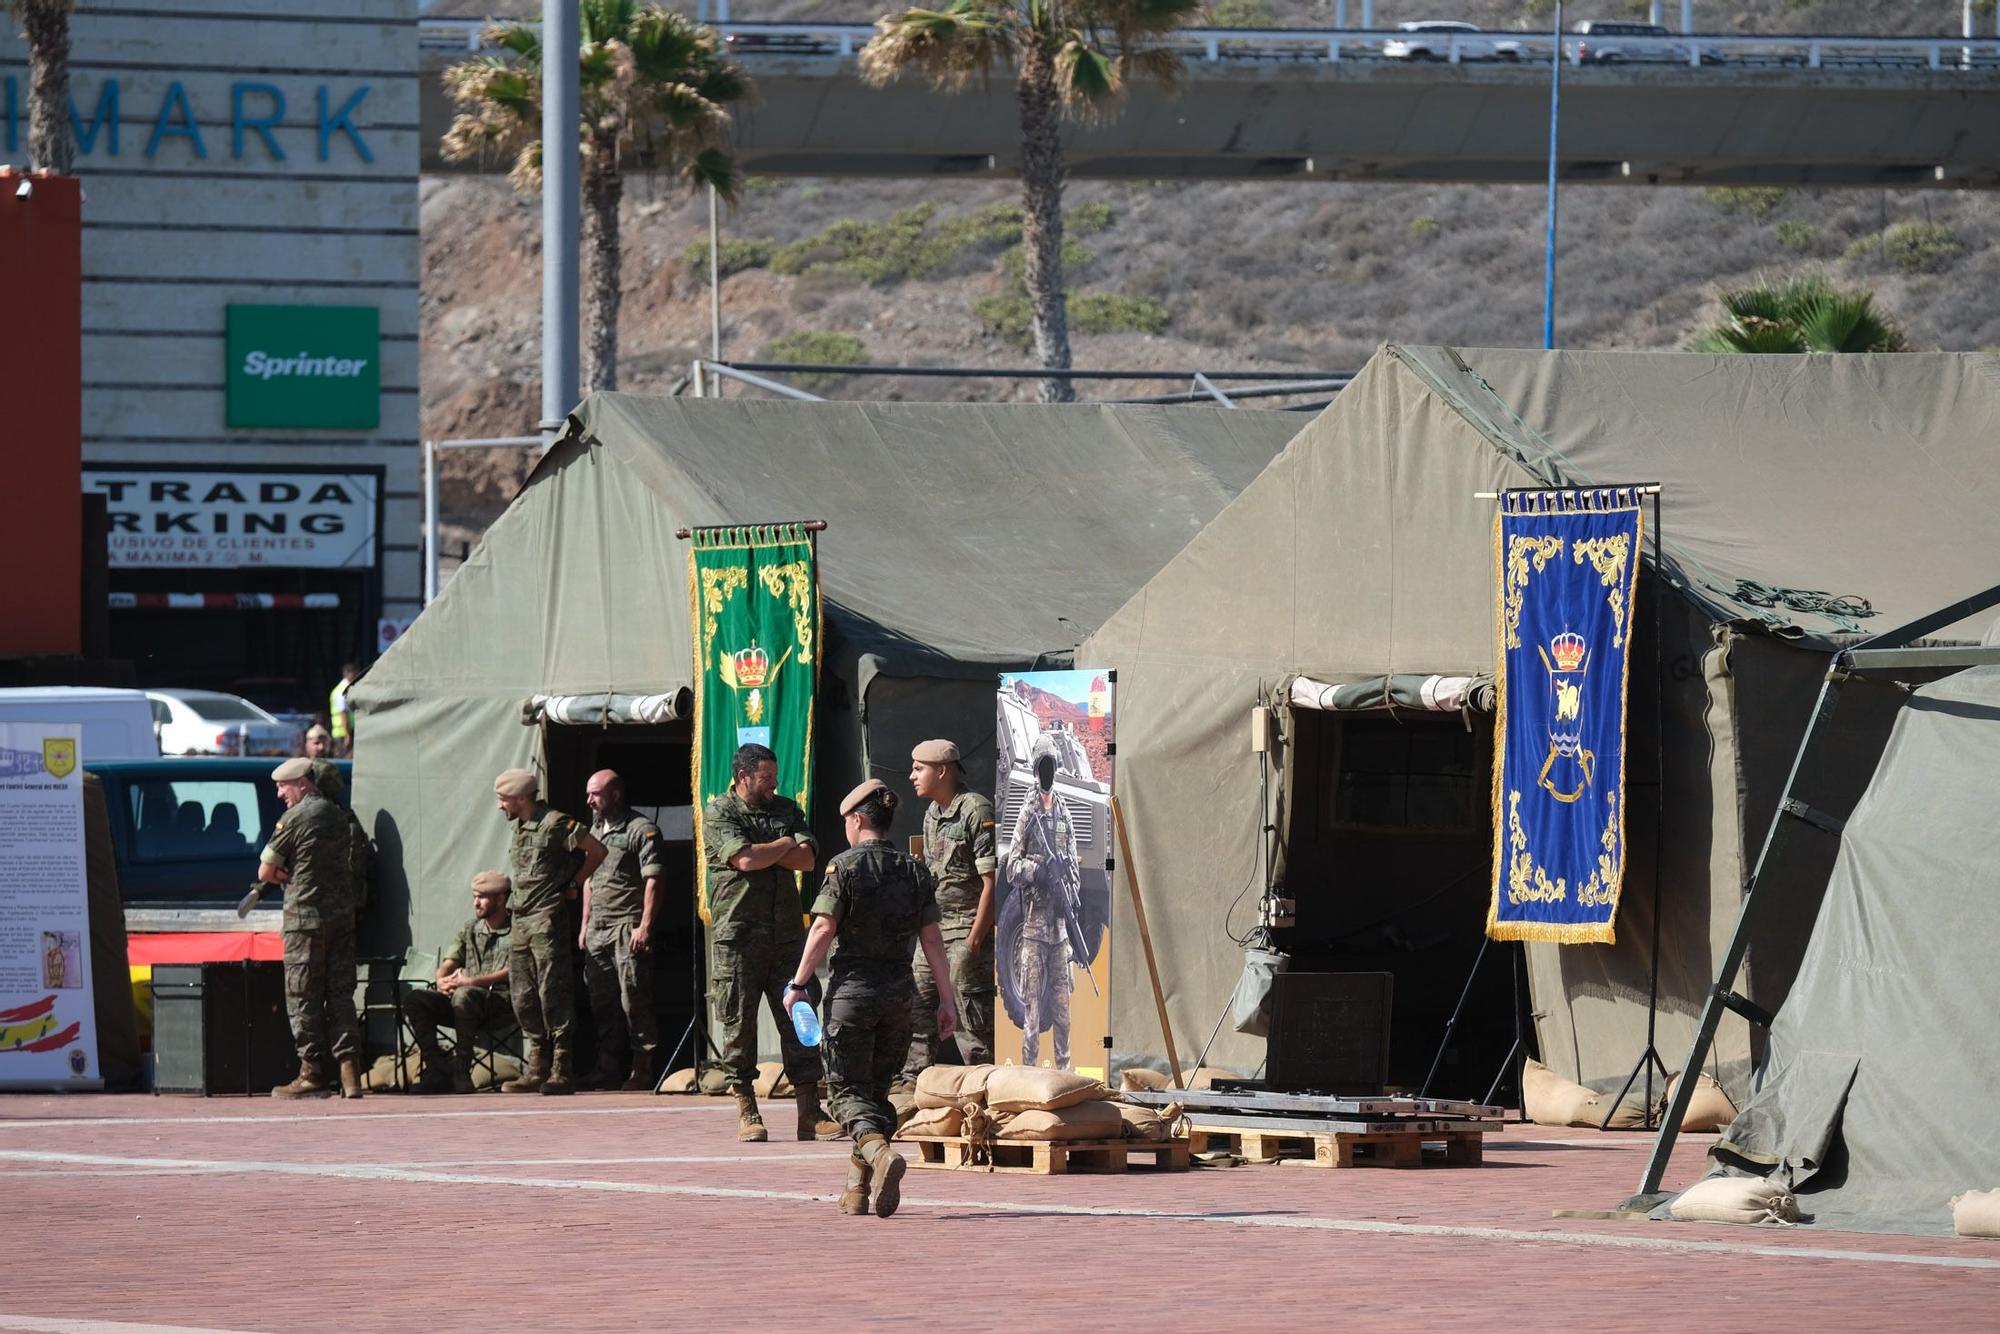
pixel 935 752
pixel 516 783
pixel 491 882
pixel 317 731
pixel 861 794
pixel 292 770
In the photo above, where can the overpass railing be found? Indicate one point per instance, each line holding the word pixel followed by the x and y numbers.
pixel 840 41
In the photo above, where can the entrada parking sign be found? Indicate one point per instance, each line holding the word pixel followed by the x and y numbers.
pixel 317 367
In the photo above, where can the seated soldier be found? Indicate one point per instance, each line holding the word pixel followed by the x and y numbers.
pixel 471 990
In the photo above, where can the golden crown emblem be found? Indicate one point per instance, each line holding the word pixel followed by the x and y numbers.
pixel 752 666
pixel 1567 650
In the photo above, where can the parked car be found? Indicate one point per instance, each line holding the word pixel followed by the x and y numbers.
pixel 1431 39
pixel 185 832
pixel 117 724
pixel 1611 41
pixel 208 722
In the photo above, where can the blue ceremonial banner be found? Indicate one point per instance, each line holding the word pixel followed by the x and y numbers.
pixel 1567 565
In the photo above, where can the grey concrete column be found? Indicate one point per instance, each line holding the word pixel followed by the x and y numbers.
pixel 1687 15
pixel 562 211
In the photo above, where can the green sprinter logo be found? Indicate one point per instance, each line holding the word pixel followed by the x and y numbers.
pixel 310 367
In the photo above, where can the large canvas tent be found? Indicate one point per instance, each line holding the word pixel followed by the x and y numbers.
pixel 961 539
pixel 1806 500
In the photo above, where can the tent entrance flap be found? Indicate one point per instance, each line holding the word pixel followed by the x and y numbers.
pixel 1388 850
pixel 610 708
pixel 1432 694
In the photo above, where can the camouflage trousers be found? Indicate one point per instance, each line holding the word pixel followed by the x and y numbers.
pixel 1044 965
pixel 470 1011
pixel 867 1035
pixel 749 969
pixel 620 983
pixel 319 994
pixel 972 988
pixel 541 973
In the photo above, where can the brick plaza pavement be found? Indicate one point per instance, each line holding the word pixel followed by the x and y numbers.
pixel 624 1211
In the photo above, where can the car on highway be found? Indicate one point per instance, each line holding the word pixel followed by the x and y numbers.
pixel 1433 39
pixel 1621 41
pixel 208 722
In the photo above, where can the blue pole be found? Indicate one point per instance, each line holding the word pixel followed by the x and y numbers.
pixel 1555 119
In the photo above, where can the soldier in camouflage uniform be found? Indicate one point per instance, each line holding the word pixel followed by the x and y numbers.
pixel 548 859
pixel 310 854
pixel 875 904
pixel 1043 828
pixel 958 847
pixel 617 933
pixel 752 841
pixel 471 992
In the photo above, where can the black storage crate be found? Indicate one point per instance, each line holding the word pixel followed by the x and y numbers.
pixel 213 1022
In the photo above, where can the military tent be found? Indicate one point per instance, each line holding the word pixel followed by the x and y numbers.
pixel 1807 501
pixel 961 539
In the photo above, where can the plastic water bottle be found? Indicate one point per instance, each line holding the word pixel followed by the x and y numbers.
pixel 805 1023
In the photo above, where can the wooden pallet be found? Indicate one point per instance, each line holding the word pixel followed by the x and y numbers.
pixel 1341 1148
pixel 1046 1157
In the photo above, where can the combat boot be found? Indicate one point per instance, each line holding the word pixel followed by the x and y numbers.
pixel 813 1120
pixel 887 1166
pixel 533 1071
pixel 854 1200
pixel 461 1070
pixel 749 1125
pixel 310 1083
pixel 435 1079
pixel 641 1078
pixel 350 1077
pixel 560 1079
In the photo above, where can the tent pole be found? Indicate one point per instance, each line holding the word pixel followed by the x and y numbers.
pixel 1720 996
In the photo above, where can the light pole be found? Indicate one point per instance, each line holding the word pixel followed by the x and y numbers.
pixel 562 208
pixel 1555 119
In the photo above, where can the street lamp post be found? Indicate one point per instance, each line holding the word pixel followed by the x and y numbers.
pixel 1555 119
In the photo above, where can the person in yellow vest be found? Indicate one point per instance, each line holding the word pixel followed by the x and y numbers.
pixel 339 714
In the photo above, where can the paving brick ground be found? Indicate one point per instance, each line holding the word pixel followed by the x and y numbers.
pixel 623 1211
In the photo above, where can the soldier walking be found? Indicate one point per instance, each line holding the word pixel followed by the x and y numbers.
pixel 548 859
pixel 875 905
pixel 617 935
pixel 958 848
pixel 752 842
pixel 471 992
pixel 310 854
pixel 1044 871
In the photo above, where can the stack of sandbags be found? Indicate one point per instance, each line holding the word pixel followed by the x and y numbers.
pixel 1029 1102
pixel 1735 1200
pixel 1709 1109
pixel 953 1085
pixel 1976 1213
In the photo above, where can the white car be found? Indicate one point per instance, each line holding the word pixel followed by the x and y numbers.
pixel 1431 39
pixel 208 722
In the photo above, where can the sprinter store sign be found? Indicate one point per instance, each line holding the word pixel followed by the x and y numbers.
pixel 311 367
pixel 227 519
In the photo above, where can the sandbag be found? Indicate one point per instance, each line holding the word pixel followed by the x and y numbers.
pixel 680 1081
pixel 1083 1120
pixel 771 1081
pixel 1709 1109
pixel 1551 1100
pixel 952 1085
pixel 1735 1200
pixel 1250 1005
pixel 1204 1076
pixel 1976 1213
pixel 1140 1079
pixel 381 1076
pixel 1147 1123
pixel 1026 1088
pixel 932 1121
pixel 505 1067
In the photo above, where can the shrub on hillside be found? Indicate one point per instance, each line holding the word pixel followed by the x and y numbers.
pixel 1755 200
pixel 1800 236
pixel 1913 247
pixel 906 245
pixel 816 347
pixel 736 254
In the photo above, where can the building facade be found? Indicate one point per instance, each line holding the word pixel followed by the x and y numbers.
pixel 250 301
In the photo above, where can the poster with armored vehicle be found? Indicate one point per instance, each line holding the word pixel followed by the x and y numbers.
pixel 1052 811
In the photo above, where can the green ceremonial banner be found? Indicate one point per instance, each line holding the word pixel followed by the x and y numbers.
pixel 753 598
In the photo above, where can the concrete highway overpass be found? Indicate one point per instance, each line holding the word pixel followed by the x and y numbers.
pixel 1284 104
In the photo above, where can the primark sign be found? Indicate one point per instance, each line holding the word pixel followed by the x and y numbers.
pixel 233 518
pixel 120 123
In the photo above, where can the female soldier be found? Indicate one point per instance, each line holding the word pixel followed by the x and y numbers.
pixel 874 902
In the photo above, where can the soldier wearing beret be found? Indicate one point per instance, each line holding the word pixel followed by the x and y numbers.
pixel 471 992
pixel 548 859
pixel 311 855
pixel 958 847
pixel 877 903
pixel 617 935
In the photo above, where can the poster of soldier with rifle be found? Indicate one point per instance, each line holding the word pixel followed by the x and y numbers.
pixel 1052 808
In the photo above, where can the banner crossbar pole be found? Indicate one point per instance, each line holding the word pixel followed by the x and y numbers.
pixel 807 525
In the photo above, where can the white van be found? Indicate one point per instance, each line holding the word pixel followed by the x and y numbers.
pixel 117 724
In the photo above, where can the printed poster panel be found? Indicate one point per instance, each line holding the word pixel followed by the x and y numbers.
pixel 1052 811
pixel 48 1022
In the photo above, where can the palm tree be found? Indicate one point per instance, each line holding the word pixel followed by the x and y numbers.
pixel 1802 314
pixel 51 140
pixel 1072 60
pixel 654 86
